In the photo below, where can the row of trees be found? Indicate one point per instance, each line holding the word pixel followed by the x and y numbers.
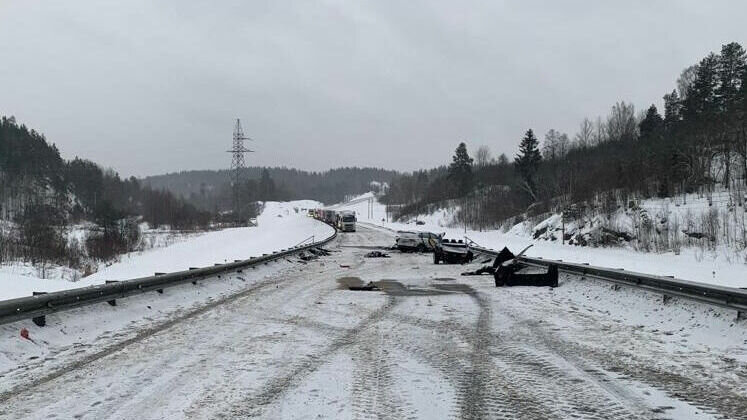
pixel 699 143
pixel 210 189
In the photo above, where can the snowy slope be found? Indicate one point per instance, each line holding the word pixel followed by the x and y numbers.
pixel 715 267
pixel 279 226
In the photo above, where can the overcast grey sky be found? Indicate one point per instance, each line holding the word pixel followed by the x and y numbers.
pixel 147 87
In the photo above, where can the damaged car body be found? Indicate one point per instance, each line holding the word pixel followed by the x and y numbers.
pixel 506 271
pixel 451 251
pixel 407 241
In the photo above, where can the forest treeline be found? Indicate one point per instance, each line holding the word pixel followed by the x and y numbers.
pixel 698 143
pixel 41 194
pixel 211 190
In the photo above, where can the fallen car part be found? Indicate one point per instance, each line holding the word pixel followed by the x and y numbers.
pixel 365 288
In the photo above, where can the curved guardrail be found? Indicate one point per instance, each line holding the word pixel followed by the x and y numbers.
pixel 38 306
pixel 727 297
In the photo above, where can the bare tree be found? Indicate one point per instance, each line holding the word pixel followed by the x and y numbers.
pixel 600 132
pixel 686 80
pixel 556 145
pixel 585 136
pixel 483 156
pixel 622 123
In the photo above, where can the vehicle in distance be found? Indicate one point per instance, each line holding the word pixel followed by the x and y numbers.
pixel 451 251
pixel 407 241
pixel 346 221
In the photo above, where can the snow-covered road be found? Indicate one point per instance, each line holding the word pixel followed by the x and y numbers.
pixel 298 344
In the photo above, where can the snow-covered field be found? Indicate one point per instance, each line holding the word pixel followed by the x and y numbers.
pixel 691 264
pixel 292 342
pixel 279 226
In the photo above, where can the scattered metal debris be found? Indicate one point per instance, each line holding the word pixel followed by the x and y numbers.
pixel 370 286
pixel 377 254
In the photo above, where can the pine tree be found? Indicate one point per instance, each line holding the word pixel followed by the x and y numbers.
pixel 460 170
pixel 701 101
pixel 527 162
pixel 731 69
pixel 672 109
pixel 652 124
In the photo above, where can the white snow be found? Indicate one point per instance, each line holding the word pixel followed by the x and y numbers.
pixel 695 264
pixel 281 225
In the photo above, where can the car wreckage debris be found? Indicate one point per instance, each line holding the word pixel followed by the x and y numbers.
pixel 377 254
pixel 506 272
pixel 370 286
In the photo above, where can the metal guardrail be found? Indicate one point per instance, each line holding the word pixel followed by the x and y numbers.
pixel 38 306
pixel 727 297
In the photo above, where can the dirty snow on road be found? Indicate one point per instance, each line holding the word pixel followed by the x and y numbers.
pixel 296 343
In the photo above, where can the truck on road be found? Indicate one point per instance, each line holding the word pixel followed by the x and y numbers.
pixel 346 221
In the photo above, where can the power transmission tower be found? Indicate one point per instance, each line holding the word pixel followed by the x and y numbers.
pixel 237 167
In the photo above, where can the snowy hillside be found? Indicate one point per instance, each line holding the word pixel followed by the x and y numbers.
pixel 719 265
pixel 279 226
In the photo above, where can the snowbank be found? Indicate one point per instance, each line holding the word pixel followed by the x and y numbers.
pixel 281 225
pixel 714 267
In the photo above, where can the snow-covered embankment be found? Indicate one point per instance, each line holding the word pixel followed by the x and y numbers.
pixel 279 226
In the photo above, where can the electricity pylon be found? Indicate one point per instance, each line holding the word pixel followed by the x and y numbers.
pixel 237 167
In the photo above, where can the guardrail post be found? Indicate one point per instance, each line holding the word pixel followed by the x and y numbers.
pixel 666 298
pixel 112 302
pixel 741 315
pixel 159 290
pixel 41 320
pixel 193 281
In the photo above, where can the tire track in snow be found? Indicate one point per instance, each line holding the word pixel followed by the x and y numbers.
pixel 254 405
pixel 138 337
pixel 373 377
pixel 517 379
pixel 692 385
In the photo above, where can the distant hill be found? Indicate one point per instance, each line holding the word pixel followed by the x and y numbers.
pixel 292 184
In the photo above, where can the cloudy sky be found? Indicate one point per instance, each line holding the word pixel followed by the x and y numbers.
pixel 147 87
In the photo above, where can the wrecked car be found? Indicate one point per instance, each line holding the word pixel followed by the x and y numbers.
pixel 507 271
pixel 451 251
pixel 509 267
pixel 407 241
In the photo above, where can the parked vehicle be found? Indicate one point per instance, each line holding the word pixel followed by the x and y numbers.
pixel 346 221
pixel 407 241
pixel 451 251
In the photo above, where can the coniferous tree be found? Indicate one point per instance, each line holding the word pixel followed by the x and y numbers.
pixel 672 109
pixel 652 124
pixel 731 70
pixel 527 162
pixel 460 170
